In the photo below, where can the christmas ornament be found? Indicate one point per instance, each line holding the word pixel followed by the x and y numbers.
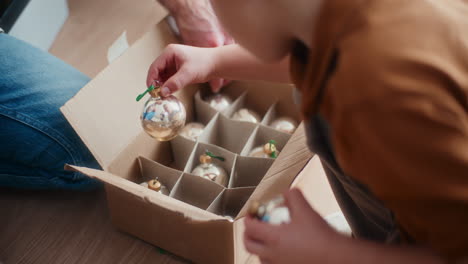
pixel 273 212
pixel 192 131
pixel 269 150
pixel 162 117
pixel 206 169
pixel 284 124
pixel 246 115
pixel 156 185
pixel 219 102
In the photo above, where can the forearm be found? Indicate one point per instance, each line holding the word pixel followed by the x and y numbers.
pixel 347 250
pixel 235 63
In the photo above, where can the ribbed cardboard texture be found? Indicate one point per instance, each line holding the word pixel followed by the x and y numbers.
pixel 190 221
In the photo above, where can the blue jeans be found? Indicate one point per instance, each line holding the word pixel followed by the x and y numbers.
pixel 35 138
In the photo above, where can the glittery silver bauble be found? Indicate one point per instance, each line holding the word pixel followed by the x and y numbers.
pixel 246 115
pixel 284 124
pixel 163 117
pixel 192 131
pixel 219 102
pixel 265 151
pixel 155 185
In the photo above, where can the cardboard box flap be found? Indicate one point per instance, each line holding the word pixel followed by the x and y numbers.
pixel 104 113
pixel 192 213
pixel 284 170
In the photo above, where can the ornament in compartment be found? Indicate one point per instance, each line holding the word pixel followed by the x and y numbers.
pixel 284 124
pixel 273 212
pixel 162 117
pixel 192 130
pixel 210 171
pixel 156 185
pixel 246 115
pixel 269 150
pixel 219 101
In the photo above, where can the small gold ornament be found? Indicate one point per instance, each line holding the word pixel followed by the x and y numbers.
pixel 284 124
pixel 269 150
pixel 219 102
pixel 273 212
pixel 156 185
pixel 192 131
pixel 246 115
pixel 162 117
pixel 210 171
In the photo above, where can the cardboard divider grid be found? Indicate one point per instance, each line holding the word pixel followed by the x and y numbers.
pixel 152 170
pixel 193 211
pixel 230 201
pixel 196 191
pixel 175 153
pixel 201 148
pixel 248 172
pixel 277 110
pixel 261 136
pixel 226 133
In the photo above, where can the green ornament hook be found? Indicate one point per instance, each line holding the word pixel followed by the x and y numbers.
pixel 274 154
pixel 214 156
pixel 150 89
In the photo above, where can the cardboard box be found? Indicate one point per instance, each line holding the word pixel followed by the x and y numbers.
pixel 190 221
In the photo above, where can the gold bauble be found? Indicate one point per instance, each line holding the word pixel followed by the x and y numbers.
pixel 156 185
pixel 192 131
pixel 284 124
pixel 207 170
pixel 246 115
pixel 219 102
pixel 265 151
pixel 163 117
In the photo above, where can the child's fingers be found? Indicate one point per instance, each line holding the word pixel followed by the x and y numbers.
pixel 156 68
pixel 216 84
pixel 260 231
pixel 179 80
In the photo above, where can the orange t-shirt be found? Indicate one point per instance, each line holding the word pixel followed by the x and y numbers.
pixel 397 103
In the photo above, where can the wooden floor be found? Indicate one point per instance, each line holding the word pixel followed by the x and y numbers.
pixel 93 25
pixel 66 227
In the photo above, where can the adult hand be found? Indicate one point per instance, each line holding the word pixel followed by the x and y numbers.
pixel 304 240
pixel 199 27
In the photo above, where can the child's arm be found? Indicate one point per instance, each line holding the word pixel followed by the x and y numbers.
pixel 179 66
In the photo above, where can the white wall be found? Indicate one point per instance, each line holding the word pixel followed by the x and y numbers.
pixel 40 22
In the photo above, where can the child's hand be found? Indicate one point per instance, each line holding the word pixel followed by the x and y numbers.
pixel 304 240
pixel 179 66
